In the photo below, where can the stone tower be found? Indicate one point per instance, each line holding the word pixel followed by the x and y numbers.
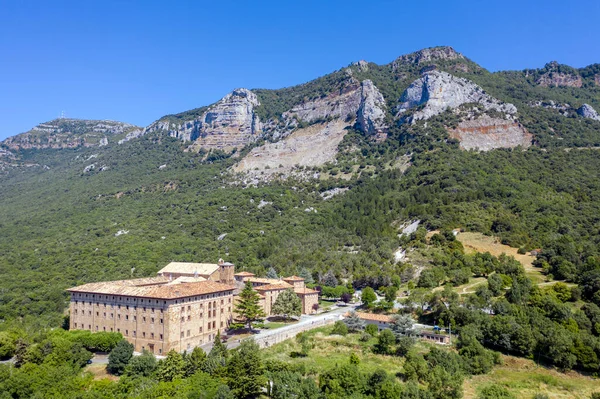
pixel 226 271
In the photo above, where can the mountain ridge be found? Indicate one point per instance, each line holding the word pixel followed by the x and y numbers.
pixel 245 116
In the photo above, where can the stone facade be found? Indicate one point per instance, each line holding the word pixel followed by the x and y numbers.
pixel 184 306
pixel 174 310
pixel 270 288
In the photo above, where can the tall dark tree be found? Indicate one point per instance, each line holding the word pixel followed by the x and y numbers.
pixel 248 308
pixel 245 372
pixel 119 357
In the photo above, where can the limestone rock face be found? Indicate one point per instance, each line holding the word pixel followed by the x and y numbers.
pixel 438 91
pixel 230 123
pixel 587 111
pixel 554 78
pixel 310 146
pixel 342 104
pixel 371 112
pixel 69 133
pixel 597 79
pixel 428 55
pixel 487 133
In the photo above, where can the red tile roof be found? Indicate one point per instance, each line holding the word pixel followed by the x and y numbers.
pixel 156 287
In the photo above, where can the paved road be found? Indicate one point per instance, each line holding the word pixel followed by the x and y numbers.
pixel 305 321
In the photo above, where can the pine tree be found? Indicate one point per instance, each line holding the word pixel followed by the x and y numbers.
pixel 329 279
pixel 119 357
pixel 248 308
pixel 245 372
pixel 172 367
pixel 354 322
pixel 194 361
pixel 272 273
pixel 287 304
pixel 306 275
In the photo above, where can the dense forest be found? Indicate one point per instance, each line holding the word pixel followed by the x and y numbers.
pixel 151 202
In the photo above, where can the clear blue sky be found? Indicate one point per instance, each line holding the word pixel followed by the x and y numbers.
pixel 136 61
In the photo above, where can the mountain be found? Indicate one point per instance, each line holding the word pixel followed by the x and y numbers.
pixel 317 175
pixel 69 133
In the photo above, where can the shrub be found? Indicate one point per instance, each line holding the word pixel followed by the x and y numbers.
pixel 371 329
pixel 339 328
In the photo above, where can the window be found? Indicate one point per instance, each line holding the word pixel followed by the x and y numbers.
pixel 209 305
pixel 181 334
pixel 229 301
pixel 89 312
pixel 144 307
pixel 118 330
pixel 97 313
pixel 103 328
pixel 229 309
pixel 222 310
pixel 112 315
pixel 200 329
pixel 214 324
pixel 127 307
pixel 188 333
pixel 222 301
pixel 152 320
pixel 183 308
pixel 161 321
pixel 134 333
pixel 96 328
pixel 118 317
pixel 221 324
pixel 161 337
pixel 144 319
pixel 126 317
pixel 189 318
pixel 152 335
pixel 189 308
pixel 134 318
pixel 143 334
pixel 75 311
pixel 126 332
pixel 182 319
pixel 201 314
pixel 160 351
pixel 152 310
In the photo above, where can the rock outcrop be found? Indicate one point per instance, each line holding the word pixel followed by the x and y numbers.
pixel 371 112
pixel 69 133
pixel 229 123
pixel 427 56
pixel 587 111
pixel 485 133
pixel 310 146
pixel 554 77
pixel 597 79
pixel 437 91
pixel 563 109
pixel 341 104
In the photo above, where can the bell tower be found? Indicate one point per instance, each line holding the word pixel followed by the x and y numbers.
pixel 226 271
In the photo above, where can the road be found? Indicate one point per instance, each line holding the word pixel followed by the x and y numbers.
pixel 305 321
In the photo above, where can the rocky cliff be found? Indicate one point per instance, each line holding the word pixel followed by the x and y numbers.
pixel 587 111
pixel 70 133
pixel 556 75
pixel 371 111
pixel 437 91
pixel 229 123
pixel 427 56
pixel 486 133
